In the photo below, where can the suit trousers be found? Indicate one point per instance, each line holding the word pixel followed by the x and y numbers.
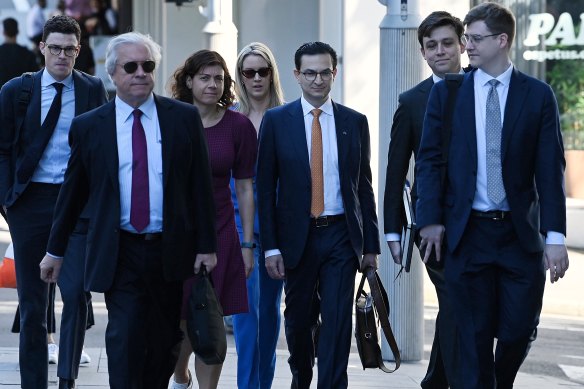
pixel 256 332
pixel 29 220
pixel 441 371
pixel 143 333
pixel 497 291
pixel 76 302
pixel 328 267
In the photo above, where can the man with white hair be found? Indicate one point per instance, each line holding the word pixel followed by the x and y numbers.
pixel 139 170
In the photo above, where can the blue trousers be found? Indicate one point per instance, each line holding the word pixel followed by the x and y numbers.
pixel 256 332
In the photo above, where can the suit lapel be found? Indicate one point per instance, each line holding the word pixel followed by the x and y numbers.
pixel 82 92
pixel 343 135
pixel 465 103
pixel 515 99
pixel 425 87
pixel 110 143
pixel 297 134
pixel 164 111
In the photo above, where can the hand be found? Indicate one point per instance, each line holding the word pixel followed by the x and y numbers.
pixel 248 260
pixel 395 249
pixel 556 260
pixel 209 260
pixel 275 267
pixel 369 260
pixel 50 268
pixel 432 236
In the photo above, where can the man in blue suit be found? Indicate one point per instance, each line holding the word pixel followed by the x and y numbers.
pixel 33 160
pixel 501 210
pixel 317 215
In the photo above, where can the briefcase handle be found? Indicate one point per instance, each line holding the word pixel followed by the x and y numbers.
pixel 381 303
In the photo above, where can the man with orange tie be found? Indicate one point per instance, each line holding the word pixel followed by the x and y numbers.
pixel 318 223
pixel 139 171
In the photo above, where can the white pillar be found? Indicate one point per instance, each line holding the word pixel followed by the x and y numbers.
pixel 401 68
pixel 220 31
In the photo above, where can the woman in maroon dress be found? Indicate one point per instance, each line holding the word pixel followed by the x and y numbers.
pixel 205 82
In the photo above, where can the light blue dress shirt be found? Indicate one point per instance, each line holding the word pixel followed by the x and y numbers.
pixel 53 163
pixel 124 121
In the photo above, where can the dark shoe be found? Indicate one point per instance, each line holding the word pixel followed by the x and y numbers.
pixel 66 384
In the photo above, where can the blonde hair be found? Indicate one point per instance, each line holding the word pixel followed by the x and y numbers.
pixel 276 95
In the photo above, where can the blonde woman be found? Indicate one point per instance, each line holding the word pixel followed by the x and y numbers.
pixel 257 89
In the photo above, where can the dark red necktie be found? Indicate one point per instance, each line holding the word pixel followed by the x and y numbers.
pixel 140 206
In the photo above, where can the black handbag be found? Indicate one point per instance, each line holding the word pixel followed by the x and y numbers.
pixel 370 310
pixel 205 322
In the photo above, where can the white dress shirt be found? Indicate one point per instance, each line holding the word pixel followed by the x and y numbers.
pixel 124 121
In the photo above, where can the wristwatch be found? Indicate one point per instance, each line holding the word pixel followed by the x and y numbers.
pixel 248 245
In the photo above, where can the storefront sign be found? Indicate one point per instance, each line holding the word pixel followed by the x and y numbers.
pixel 543 29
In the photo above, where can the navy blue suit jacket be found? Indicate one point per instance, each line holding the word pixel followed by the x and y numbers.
pixel 284 184
pixel 532 161
pixel 91 189
pixel 89 93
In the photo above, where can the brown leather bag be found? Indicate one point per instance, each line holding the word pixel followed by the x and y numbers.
pixel 370 310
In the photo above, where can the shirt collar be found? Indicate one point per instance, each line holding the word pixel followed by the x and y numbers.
pixel 47 79
pixel 327 107
pixel 504 78
pixel 148 107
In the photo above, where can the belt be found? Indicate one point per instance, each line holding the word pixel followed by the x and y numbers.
pixel 325 221
pixel 148 237
pixel 493 215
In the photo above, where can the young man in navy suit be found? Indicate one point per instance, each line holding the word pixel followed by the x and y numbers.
pixel 441 45
pixel 318 224
pixel 502 212
pixel 33 159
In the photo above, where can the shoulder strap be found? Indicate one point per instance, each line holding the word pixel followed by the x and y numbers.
pixel 26 85
pixel 453 82
pixel 381 303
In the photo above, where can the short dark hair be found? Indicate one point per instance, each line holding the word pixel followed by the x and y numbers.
pixel 62 24
pixel 10 26
pixel 498 18
pixel 197 61
pixel 439 19
pixel 312 48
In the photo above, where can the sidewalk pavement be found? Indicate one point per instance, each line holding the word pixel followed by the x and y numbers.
pixel 409 375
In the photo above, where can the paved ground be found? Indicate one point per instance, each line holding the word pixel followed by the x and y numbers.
pixel 564 297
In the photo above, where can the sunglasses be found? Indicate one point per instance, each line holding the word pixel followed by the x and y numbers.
pixel 250 73
pixel 132 66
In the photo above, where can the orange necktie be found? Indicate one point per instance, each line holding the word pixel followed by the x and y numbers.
pixel 317 203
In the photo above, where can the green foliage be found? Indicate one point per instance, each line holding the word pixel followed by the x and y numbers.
pixel 566 77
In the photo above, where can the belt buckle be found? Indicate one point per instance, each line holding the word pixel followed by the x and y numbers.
pixel 321 222
pixel 499 215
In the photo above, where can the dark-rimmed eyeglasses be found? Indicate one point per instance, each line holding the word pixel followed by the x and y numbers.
pixel 132 66
pixel 478 38
pixel 311 75
pixel 250 73
pixel 70 51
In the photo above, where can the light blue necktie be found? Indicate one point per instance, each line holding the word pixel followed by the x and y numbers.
pixel 493 126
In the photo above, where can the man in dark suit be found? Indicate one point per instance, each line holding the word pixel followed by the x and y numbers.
pixel 502 209
pixel 139 171
pixel 33 159
pixel 317 214
pixel 441 44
